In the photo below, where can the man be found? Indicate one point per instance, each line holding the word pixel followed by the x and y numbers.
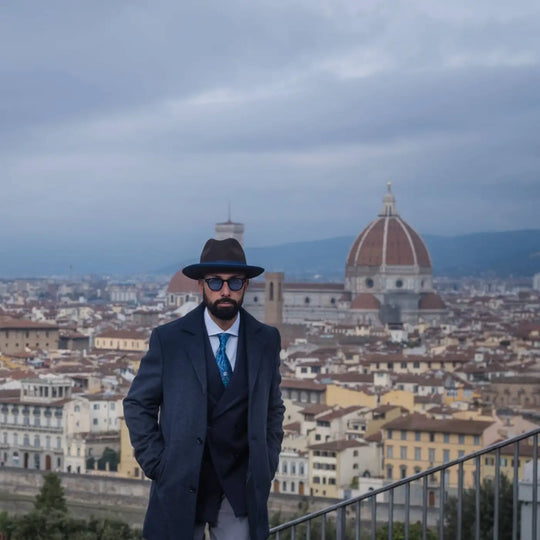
pixel 205 413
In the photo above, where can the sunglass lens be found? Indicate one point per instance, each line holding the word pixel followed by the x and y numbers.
pixel 215 284
pixel 235 284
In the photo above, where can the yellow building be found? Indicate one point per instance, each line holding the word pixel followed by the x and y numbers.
pixel 415 442
pixel 345 397
pixel 122 340
pixel 128 466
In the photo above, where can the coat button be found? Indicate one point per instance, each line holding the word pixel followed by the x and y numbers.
pixel 191 489
pixel 199 440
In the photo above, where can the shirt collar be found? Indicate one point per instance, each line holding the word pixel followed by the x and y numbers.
pixel 213 329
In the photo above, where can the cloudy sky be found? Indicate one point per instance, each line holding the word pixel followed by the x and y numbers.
pixel 127 127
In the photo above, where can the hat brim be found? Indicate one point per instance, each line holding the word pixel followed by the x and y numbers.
pixel 199 270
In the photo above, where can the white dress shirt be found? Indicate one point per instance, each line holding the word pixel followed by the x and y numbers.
pixel 213 330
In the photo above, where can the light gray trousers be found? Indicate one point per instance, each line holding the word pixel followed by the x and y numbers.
pixel 228 526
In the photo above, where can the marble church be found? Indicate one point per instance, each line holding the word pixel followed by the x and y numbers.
pixel 388 281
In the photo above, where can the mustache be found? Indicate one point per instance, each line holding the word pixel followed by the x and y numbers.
pixel 226 301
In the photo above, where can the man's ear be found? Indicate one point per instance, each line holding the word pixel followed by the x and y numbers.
pixel 200 282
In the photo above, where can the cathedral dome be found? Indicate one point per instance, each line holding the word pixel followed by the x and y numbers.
pixel 389 241
pixel 389 257
pixel 181 284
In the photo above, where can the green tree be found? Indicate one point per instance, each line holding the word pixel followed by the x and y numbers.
pixel 109 456
pixel 51 495
pixel 398 532
pixel 487 498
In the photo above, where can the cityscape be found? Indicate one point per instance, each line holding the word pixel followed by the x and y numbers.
pixel 386 374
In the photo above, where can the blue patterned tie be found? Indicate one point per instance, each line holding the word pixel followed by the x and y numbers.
pixel 223 363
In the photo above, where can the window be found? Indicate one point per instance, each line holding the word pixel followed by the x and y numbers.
pixel 461 453
pixel 316 480
pixel 96 406
pixel 77 408
pixel 293 468
pixel 403 452
pixel 284 486
pixel 403 365
pixel 446 437
pixel 461 439
pixel 403 435
pixel 389 434
pixel 284 467
pixel 417 453
pixel 390 472
pixel 390 452
pixel 477 440
pixel 403 471
pixel 95 421
pixel 417 436
pixel 446 456
pixel 431 453
pixel 293 486
pixel 431 437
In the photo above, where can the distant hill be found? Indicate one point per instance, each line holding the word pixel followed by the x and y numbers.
pixel 498 254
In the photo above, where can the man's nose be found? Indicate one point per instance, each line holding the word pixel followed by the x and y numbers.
pixel 225 291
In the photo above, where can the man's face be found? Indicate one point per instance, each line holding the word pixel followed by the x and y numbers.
pixel 223 304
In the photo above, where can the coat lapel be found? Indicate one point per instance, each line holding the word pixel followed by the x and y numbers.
pixel 193 328
pixel 254 348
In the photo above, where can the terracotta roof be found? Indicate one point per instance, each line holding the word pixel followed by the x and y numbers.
pixel 182 284
pixel 302 385
pixel 123 334
pixel 7 323
pixel 431 300
pixel 365 301
pixel 338 413
pixel 337 446
pixel 420 422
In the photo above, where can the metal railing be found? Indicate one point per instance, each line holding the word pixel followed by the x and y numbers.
pixel 347 521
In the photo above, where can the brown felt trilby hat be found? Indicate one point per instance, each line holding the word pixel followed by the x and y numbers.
pixel 222 256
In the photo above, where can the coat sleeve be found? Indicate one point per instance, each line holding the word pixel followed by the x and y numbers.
pixel 141 409
pixel 276 411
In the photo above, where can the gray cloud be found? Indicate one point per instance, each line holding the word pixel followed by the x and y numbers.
pixel 128 127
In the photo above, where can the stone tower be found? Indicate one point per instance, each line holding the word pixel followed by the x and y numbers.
pixel 229 229
pixel 273 298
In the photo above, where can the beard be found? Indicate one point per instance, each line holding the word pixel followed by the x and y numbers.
pixel 223 309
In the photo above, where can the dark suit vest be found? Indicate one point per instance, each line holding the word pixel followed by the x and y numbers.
pixel 226 452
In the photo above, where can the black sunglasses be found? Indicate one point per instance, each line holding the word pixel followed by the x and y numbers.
pixel 216 283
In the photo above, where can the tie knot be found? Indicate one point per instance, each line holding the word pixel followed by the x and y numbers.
pixel 223 338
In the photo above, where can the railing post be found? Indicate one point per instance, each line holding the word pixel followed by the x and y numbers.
pixel 535 487
pixel 390 514
pixel 340 523
pixel 441 506
pixel 407 509
pixel 496 494
pixel 424 507
pixel 460 501
pixel 373 517
pixel 358 520
pixel 515 507
pixel 477 499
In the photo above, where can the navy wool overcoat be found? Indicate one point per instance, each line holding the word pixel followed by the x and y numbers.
pixel 166 414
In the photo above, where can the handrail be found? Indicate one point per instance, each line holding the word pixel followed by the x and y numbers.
pixel 406 481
